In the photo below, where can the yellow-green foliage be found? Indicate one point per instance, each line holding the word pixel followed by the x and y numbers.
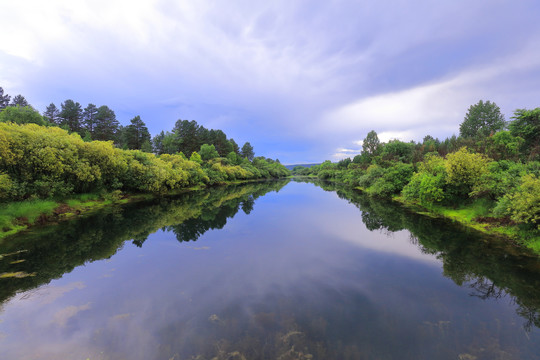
pixel 524 204
pixel 5 185
pixel 37 161
pixel 465 169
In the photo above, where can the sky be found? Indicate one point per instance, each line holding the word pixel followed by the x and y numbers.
pixel 302 81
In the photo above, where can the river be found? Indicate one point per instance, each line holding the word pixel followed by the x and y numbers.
pixel 272 270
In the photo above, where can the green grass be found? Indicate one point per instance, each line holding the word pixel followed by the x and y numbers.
pixel 13 215
pixel 465 213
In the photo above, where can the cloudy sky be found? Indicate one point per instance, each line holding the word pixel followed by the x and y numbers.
pixel 303 81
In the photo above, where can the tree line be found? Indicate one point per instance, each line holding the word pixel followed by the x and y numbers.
pixel 100 123
pixel 493 164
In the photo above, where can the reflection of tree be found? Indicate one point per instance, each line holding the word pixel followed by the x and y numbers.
pixel 492 267
pixel 247 205
pixel 52 251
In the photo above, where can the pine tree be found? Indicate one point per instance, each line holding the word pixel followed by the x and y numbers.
pixel 106 124
pixel 4 99
pixel 20 101
pixel 136 133
pixel 71 115
pixel 52 114
pixel 89 118
pixel 247 151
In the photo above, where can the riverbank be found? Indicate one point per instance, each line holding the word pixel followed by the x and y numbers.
pixel 475 215
pixel 18 216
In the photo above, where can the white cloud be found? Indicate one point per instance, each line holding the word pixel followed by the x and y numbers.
pixel 317 74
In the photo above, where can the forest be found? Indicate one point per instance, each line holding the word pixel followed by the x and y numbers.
pixel 487 177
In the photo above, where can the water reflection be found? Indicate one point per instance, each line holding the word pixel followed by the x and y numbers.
pixel 281 279
pixel 491 268
pixel 46 253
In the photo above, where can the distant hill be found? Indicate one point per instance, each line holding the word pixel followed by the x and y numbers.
pixel 290 167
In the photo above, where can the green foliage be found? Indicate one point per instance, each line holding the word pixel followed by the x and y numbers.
pixel 45 162
pixel 208 152
pixel 247 151
pixel 465 170
pixel 370 145
pixel 5 186
pixel 27 211
pixel 396 150
pixel 393 180
pixel 165 143
pixel 503 145
pixel 136 134
pixel 234 158
pixel 21 115
pixel 19 100
pixel 107 126
pixel 52 114
pixel 4 99
pixel 195 157
pixel 526 125
pixel 501 178
pixel 523 205
pixel 481 120
pixel 147 146
pixel 428 185
pixel 71 115
pixel 372 173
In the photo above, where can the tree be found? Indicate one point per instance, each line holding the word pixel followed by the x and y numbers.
pixel 89 118
pixel 136 133
pixel 165 143
pixel 19 100
pixel 71 115
pixel 147 146
pixel 4 99
pixel 235 146
pixel 482 119
pixel 195 157
pixel 21 115
pixel 247 151
pixel 208 152
pixel 526 125
pixel 187 136
pixel 106 124
pixel 465 170
pixel 52 114
pixel 371 144
pixel 397 150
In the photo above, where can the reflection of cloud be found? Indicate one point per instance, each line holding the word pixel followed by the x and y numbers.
pixel 61 317
pixel 48 294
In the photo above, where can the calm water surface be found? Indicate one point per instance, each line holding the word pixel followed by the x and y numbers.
pixel 266 271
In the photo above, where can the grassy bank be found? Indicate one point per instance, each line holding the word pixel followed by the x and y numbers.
pixel 477 215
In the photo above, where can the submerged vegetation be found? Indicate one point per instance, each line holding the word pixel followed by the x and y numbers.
pixel 487 178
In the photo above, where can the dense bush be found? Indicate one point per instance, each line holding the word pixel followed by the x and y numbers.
pixel 428 185
pixel 393 180
pixel 523 204
pixel 37 161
